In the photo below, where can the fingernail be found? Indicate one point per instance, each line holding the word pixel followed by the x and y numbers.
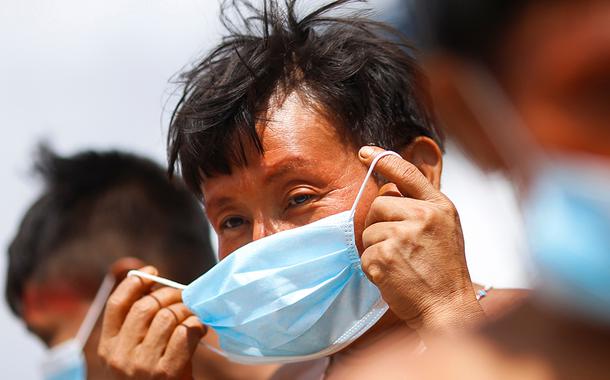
pixel 366 152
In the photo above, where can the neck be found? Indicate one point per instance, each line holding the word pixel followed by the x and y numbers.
pixel 389 329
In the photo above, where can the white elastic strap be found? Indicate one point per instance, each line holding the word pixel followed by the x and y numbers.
pixel 95 310
pixel 368 175
pixel 157 279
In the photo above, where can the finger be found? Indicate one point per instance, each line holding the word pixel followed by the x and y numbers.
pixel 182 345
pixel 163 326
pixel 394 209
pixel 142 313
pixel 390 190
pixel 120 301
pixel 407 177
pixel 377 233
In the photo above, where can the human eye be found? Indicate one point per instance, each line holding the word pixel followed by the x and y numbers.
pixel 299 200
pixel 232 222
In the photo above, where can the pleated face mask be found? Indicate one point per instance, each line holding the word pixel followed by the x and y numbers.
pixel 296 295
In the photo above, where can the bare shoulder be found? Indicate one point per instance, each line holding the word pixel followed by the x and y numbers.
pixel 476 359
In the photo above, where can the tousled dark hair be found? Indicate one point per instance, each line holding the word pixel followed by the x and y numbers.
pixel 97 207
pixel 357 72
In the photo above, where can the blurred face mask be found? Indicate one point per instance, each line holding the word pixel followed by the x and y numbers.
pixel 566 207
pixel 66 361
pixel 296 295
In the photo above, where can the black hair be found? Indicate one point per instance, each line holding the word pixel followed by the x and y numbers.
pixel 474 29
pixel 357 72
pixel 97 207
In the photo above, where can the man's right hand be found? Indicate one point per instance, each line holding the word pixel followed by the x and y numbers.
pixel 148 334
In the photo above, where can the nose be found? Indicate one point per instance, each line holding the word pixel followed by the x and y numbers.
pixel 263 228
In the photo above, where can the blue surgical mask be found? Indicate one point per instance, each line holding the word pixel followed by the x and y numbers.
pixel 567 216
pixel 296 295
pixel 66 361
pixel 565 205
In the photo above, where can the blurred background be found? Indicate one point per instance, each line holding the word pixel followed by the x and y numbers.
pixel 96 74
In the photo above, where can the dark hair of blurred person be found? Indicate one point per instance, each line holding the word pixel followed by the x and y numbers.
pixel 95 208
pixel 524 86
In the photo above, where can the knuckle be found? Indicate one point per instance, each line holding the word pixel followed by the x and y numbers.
pixel 374 273
pixel 368 259
pixel 144 306
pixel 165 317
pixel 386 255
pixel 448 207
pixel 116 364
pixel 378 204
pixel 426 215
pixel 102 352
pixel 453 212
pixel 365 261
pixel 181 332
pixel 164 371
pixel 399 230
pixel 114 302
pixel 367 237
pixel 372 264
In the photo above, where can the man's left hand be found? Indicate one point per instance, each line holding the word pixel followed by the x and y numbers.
pixel 414 249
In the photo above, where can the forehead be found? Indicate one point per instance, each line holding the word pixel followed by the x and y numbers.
pixel 294 136
pixel 292 126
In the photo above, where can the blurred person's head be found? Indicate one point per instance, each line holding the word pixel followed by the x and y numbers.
pixel 96 208
pixel 270 123
pixel 524 86
pixel 549 61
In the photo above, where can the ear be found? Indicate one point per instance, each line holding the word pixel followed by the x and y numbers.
pixel 52 312
pixel 453 111
pixel 427 156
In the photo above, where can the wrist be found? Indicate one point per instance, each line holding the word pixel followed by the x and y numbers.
pixel 451 314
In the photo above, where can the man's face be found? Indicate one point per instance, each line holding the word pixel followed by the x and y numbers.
pixel 308 172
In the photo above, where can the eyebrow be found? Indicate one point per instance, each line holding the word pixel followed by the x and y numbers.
pixel 217 203
pixel 287 167
pixel 282 169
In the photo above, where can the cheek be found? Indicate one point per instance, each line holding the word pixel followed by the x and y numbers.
pixel 226 248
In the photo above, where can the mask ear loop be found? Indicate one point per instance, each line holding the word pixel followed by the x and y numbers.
pixel 157 279
pixel 95 310
pixel 368 175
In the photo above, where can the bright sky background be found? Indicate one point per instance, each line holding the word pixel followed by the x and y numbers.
pixel 94 74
